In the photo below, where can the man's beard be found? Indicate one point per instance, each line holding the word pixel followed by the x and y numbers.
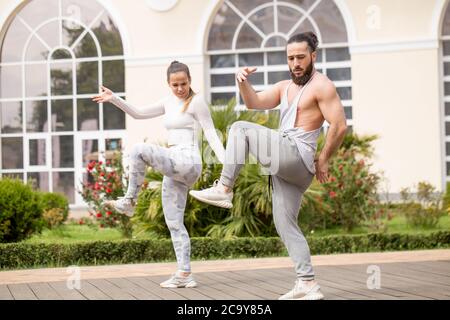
pixel 303 79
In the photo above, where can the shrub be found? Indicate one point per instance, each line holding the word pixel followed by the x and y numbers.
pixel 427 211
pixel 108 183
pixel 51 200
pixel 53 217
pixel 20 211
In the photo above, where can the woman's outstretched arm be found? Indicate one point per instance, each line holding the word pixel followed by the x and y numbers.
pixel 147 112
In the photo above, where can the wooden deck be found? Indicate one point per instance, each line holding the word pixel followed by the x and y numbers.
pixel 422 280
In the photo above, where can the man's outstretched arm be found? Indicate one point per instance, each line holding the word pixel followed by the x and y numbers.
pixel 331 107
pixel 267 99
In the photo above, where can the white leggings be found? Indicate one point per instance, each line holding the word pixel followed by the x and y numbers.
pixel 181 166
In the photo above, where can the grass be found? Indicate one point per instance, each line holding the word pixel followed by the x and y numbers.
pixel 70 233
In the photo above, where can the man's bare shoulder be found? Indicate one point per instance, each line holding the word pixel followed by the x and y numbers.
pixel 322 84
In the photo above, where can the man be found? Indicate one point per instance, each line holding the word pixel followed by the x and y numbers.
pixel 305 102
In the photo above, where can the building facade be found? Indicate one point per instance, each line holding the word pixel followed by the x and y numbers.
pixel 389 60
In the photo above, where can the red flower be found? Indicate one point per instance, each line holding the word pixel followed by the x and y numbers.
pixel 102 174
pixel 99 215
pixel 108 190
pixel 332 194
pixel 332 179
pixel 81 221
pixel 108 213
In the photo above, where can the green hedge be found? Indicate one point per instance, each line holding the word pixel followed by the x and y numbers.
pixel 25 255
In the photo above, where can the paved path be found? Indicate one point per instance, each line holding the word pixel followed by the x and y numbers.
pixel 403 275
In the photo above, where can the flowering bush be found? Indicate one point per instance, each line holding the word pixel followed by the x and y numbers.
pixel 107 183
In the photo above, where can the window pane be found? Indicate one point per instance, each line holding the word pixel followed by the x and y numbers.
pixel 109 37
pixel 251 59
pixel 12 153
pixel 61 79
pixel 16 176
pixel 287 18
pixel 223 28
pixel 276 58
pixel 11 117
pixel 86 47
pixel 63 182
pixel 319 55
pixel 84 11
pixel 62 115
pixel 37 152
pixel 113 144
pixel 245 6
pixel 222 80
pixel 36 116
pixel 90 151
pixel 446 45
pixel 37 11
pixel 447 88
pixel 348 113
pixel 71 32
pixel 114 75
pixel 62 151
pixel 345 93
pixel 447 128
pixel 257 78
pixel 446 68
pixel 114 118
pixel 277 76
pixel 14 41
pixel 304 27
pixel 340 74
pixel 88 115
pixel 222 61
pixel 447 108
pixel 49 33
pixel 263 20
pixel 36 80
pixel 10 82
pixel 330 22
pixel 447 148
pixel 448 168
pixel 61 54
pixel 87 77
pixel 36 50
pixel 338 54
pixel 275 42
pixel 222 98
pixel 39 180
pixel 248 38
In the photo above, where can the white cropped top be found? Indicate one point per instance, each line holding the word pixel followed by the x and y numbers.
pixel 182 127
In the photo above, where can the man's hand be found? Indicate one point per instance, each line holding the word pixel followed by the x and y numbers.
pixel 243 73
pixel 321 170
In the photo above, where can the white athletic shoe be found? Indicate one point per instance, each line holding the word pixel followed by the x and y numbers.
pixel 302 291
pixel 214 196
pixel 179 281
pixel 122 205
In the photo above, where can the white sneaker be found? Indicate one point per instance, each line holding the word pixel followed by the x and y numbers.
pixel 215 196
pixel 302 291
pixel 179 281
pixel 122 205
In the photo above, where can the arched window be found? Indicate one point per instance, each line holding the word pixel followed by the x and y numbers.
pixel 255 33
pixel 54 56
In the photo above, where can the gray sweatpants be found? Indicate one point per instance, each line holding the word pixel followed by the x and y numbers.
pixel 181 166
pixel 280 155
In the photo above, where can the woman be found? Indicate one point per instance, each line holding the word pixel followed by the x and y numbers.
pixel 180 163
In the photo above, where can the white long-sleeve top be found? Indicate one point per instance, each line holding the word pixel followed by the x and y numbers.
pixel 182 127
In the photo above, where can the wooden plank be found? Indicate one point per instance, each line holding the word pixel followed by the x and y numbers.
pixel 65 293
pixel 111 290
pixel 44 291
pixel 260 287
pixel 164 294
pixel 206 286
pixel 429 267
pixel 361 279
pixel 406 285
pixel 21 292
pixel 4 293
pixel 224 285
pixel 91 292
pixel 133 289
